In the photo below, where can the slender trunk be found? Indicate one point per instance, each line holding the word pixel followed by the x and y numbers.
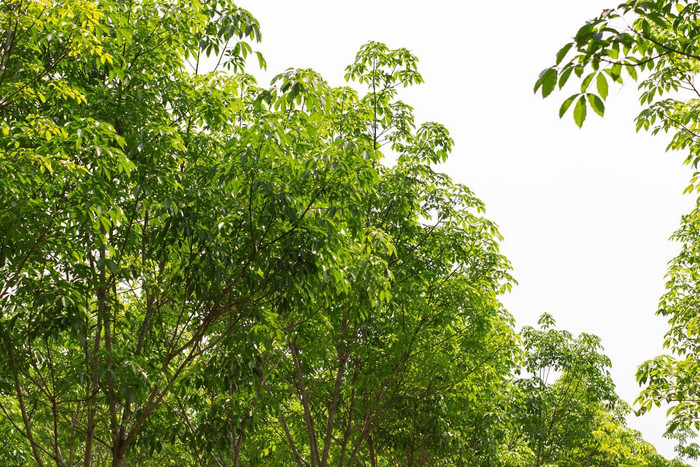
pixel 103 313
pixel 308 419
pixel 147 291
pixel 234 437
pixel 346 433
pixel 370 447
pixel 25 417
pixel 238 440
pixel 89 385
pixel 423 459
pixel 357 445
pixel 119 448
pixel 292 446
pixel 58 457
pixel 343 355
pixel 71 446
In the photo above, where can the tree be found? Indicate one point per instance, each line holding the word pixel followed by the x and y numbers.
pixel 151 209
pixel 568 384
pixel 675 379
pixel 113 275
pixel 654 43
pixel 355 355
pixel 184 249
pixel 567 412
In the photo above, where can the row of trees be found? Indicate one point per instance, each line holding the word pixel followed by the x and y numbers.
pixel 196 270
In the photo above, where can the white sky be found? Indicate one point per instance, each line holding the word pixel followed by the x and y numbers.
pixel 586 213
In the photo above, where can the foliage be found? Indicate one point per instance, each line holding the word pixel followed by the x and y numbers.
pixel 675 379
pixel 651 42
pixel 182 248
pixel 569 383
pixel 655 43
pixel 197 270
pixel 569 413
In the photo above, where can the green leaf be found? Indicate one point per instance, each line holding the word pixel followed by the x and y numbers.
pixel 566 104
pixel 656 18
pixel 564 76
pixel 548 80
pixel 616 72
pixel 580 111
pixel 584 34
pixel 563 51
pixel 261 61
pixel 587 81
pixel 602 85
pixel 596 104
pixel 612 53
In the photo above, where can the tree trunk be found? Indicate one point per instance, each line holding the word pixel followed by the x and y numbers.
pixel 118 459
pixel 372 456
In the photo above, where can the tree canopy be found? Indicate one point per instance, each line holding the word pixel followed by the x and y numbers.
pixel 199 270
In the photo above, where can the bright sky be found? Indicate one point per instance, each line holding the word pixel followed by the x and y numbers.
pixel 586 213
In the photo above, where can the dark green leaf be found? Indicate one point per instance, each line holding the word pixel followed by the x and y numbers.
pixel 564 76
pixel 548 80
pixel 563 51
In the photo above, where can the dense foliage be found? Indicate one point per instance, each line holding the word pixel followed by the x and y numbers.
pixel 196 270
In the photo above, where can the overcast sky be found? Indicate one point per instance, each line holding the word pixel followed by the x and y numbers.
pixel 586 214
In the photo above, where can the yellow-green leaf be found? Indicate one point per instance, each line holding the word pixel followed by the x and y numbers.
pixel 580 111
